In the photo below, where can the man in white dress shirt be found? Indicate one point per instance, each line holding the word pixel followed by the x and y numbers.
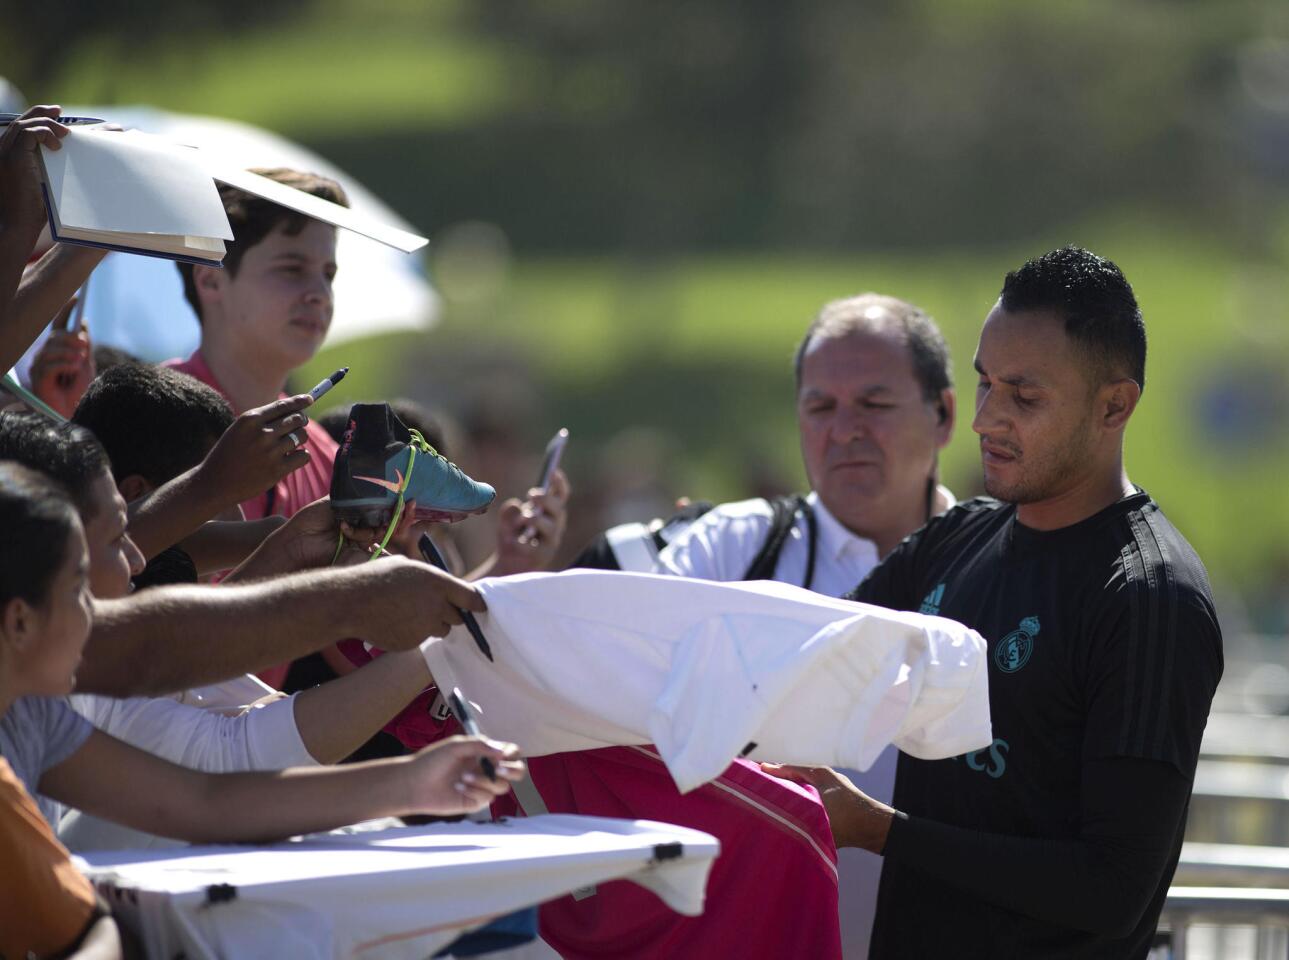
pixel 875 405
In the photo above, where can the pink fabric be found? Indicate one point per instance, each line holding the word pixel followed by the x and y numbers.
pixel 772 891
pixel 422 721
pixel 296 490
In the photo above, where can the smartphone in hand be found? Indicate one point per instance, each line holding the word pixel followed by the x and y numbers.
pixel 550 461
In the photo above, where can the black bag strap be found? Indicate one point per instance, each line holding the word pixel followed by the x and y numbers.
pixel 783 519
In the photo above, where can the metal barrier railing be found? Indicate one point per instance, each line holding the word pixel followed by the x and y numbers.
pixel 1224 923
pixel 1228 902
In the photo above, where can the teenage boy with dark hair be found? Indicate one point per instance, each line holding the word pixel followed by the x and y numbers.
pixel 155 423
pixel 185 419
pixel 263 315
pixel 1061 838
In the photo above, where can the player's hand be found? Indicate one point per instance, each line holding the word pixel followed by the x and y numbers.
pixel 22 205
pixel 63 367
pixel 447 778
pixel 857 820
pixel 529 532
pixel 261 447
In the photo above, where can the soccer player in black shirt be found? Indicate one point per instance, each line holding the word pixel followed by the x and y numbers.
pixel 1060 838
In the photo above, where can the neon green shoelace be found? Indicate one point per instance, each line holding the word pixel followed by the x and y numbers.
pixel 418 443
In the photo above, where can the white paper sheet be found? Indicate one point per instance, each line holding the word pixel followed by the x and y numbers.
pixel 130 182
pixel 311 206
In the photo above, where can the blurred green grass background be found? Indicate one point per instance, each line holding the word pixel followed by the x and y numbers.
pixel 446 111
pixel 701 348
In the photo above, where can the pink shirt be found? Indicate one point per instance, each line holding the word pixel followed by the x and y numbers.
pixel 296 490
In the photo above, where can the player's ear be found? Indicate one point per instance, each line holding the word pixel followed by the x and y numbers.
pixel 946 412
pixel 1118 400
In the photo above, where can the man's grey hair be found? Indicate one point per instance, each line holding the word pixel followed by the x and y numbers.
pixel 869 312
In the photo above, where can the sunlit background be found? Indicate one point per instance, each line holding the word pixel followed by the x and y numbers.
pixel 636 207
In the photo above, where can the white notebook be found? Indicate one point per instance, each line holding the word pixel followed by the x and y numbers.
pixel 134 192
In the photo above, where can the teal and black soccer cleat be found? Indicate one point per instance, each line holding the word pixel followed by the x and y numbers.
pixel 382 463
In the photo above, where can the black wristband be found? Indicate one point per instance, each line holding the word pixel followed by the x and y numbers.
pixel 897 816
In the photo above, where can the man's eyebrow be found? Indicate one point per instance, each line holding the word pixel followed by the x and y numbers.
pixel 1016 380
pixel 865 391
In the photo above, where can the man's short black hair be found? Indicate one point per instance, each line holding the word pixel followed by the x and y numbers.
pixel 1096 303
pixel 64 451
pixel 153 421
pixel 37 519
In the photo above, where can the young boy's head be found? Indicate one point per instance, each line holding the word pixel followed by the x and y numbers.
pixel 154 423
pixel 272 299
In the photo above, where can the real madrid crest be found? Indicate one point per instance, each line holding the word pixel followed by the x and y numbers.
pixel 1013 651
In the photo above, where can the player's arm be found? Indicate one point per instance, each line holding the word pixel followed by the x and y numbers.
pixel 1100 881
pixel 173 638
pixel 1133 791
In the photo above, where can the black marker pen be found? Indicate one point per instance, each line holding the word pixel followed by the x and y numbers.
pixel 464 717
pixel 435 559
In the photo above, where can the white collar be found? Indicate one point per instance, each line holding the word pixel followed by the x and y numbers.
pixel 834 538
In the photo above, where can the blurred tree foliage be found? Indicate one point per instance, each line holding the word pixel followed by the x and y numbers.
pixel 650 125
pixel 41 35
pixel 661 126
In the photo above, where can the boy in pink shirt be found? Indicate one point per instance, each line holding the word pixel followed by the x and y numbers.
pixel 265 314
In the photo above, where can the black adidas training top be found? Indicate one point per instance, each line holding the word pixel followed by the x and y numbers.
pixel 1060 838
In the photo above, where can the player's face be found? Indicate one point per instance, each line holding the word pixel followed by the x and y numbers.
pixel 1034 407
pixel 114 558
pixel 278 305
pixel 62 624
pixel 869 437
